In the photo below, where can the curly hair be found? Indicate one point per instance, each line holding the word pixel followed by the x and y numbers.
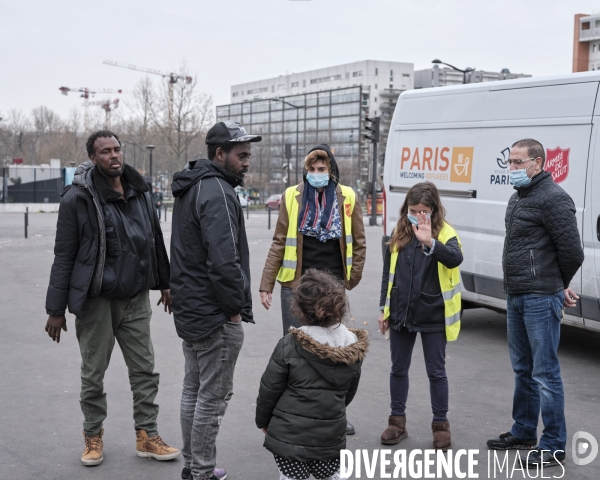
pixel 319 299
pixel 89 144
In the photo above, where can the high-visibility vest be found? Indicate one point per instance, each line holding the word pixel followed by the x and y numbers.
pixel 449 284
pixel 287 272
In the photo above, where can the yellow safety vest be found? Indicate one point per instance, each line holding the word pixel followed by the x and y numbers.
pixel 449 284
pixel 287 272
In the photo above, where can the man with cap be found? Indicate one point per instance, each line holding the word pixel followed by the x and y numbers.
pixel 210 288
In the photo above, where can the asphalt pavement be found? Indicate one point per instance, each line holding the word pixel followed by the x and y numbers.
pixel 41 421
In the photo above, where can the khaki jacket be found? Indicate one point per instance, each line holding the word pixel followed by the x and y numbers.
pixel 275 256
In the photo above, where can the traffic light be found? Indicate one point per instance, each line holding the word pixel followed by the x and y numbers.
pixel 372 125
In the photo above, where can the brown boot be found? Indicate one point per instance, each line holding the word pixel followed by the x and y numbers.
pixel 153 447
pixel 441 435
pixel 92 455
pixel 395 431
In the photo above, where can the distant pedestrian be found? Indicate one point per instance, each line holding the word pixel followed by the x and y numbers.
pixel 109 252
pixel 420 293
pixel 311 378
pixel 320 226
pixel 210 283
pixel 157 198
pixel 542 253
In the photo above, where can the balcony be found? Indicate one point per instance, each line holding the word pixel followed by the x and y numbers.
pixel 589 35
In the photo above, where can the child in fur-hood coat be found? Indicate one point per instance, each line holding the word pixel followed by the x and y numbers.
pixel 312 376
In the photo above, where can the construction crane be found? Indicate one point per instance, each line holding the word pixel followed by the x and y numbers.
pixel 86 93
pixel 172 77
pixel 108 106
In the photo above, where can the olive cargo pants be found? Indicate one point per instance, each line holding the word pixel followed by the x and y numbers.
pixel 127 321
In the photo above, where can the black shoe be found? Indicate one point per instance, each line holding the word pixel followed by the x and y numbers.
pixel 186 473
pixel 550 459
pixel 349 428
pixel 508 441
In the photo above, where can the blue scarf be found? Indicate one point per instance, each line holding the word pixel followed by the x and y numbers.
pixel 321 221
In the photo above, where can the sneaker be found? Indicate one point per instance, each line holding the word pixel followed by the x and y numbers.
pixel 548 458
pixel 92 455
pixel 219 474
pixel 153 447
pixel 508 441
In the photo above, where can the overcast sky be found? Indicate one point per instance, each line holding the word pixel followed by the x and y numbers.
pixel 47 44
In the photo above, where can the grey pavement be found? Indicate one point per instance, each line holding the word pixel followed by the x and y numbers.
pixel 40 418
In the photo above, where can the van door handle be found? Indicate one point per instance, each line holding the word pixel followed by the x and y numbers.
pixel 598 228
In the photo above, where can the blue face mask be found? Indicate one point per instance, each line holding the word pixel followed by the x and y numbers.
pixel 318 180
pixel 519 178
pixel 414 220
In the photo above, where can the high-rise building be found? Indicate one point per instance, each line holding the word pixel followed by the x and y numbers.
pixel 586 42
pixel 326 105
pixel 443 77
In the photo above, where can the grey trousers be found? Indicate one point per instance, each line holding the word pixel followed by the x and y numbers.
pixel 207 389
pixel 286 316
pixel 127 321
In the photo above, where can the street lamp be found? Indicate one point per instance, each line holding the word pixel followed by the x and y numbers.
pixel 150 148
pixel 464 72
pixel 297 107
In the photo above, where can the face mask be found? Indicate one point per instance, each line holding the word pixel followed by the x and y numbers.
pixel 414 220
pixel 318 180
pixel 519 178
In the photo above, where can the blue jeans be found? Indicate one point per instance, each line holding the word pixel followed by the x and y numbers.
pixel 533 338
pixel 207 389
pixel 288 320
pixel 434 349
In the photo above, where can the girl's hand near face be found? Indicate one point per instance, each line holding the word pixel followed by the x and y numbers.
pixel 423 232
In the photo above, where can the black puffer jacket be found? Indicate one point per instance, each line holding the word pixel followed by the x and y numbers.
pixel 210 260
pixel 542 247
pixel 80 245
pixel 304 393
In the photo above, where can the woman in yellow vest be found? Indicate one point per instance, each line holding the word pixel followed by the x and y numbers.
pixel 320 226
pixel 420 293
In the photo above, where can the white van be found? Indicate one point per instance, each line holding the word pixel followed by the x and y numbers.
pixel 459 138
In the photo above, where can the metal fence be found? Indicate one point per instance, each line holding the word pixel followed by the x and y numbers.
pixel 28 184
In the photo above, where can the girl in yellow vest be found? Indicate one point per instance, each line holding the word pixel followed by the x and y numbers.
pixel 420 293
pixel 320 226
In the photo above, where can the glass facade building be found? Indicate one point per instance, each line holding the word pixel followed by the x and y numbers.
pixel 303 121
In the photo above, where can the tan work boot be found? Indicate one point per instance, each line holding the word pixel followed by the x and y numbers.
pixel 92 455
pixel 153 447
pixel 441 435
pixel 395 431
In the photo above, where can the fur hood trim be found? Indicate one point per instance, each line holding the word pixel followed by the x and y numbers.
pixel 348 355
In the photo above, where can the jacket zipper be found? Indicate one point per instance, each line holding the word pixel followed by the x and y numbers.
pixel 531 260
pixel 512 214
pixel 403 322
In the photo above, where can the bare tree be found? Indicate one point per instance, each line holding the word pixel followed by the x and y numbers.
pixel 181 114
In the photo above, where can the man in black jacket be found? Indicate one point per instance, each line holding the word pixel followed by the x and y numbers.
pixel 109 252
pixel 210 284
pixel 542 253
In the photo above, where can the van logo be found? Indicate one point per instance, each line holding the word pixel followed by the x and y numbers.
pixel 503 162
pixel 557 163
pixel 437 163
pixel 462 164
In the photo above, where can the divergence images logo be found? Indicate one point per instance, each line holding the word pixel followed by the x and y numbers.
pixel 582 453
pixel 435 164
pixel 557 163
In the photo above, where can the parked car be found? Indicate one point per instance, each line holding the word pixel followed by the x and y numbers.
pixel 274 201
pixel 243 201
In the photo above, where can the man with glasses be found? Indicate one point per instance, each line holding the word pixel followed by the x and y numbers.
pixel 542 253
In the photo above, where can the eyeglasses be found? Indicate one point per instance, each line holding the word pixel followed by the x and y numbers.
pixel 518 161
